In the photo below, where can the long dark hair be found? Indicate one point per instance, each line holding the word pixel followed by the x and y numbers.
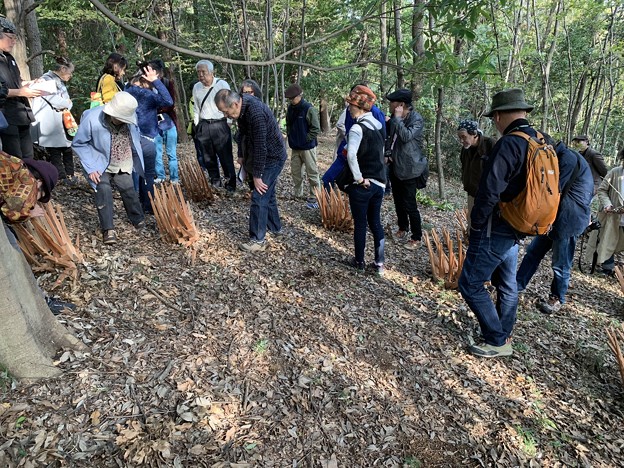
pixel 112 60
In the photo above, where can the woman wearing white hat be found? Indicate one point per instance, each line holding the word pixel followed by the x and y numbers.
pixel 108 144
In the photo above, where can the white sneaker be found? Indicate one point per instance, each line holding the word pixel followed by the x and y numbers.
pixel 254 246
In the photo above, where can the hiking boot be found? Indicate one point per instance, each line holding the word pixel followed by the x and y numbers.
pixel 412 244
pixel 57 306
pixel 254 246
pixel 359 266
pixel 400 235
pixel 550 306
pixel 490 351
pixel 109 237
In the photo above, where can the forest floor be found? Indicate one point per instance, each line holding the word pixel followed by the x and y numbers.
pixel 290 358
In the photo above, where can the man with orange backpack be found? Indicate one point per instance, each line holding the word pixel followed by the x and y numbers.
pixel 518 195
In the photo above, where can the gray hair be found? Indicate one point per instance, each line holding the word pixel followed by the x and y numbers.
pixel 205 63
pixel 226 97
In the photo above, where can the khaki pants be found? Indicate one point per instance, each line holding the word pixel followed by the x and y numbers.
pixel 299 159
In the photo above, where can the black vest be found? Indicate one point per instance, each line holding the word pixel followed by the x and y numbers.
pixel 298 127
pixel 370 154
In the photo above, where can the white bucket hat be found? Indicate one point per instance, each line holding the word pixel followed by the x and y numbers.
pixel 123 107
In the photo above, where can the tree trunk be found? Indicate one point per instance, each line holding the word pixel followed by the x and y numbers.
pixel 324 114
pixel 302 38
pixel 14 11
pixel 383 38
pixel 30 335
pixel 33 40
pixel 418 45
pixel 398 35
pixel 438 145
pixel 577 104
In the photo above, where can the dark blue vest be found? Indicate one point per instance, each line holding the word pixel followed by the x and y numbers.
pixel 298 126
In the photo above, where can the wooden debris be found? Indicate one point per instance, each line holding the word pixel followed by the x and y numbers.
pixel 461 216
pixel 47 246
pixel 615 337
pixel 334 208
pixel 173 216
pixel 619 273
pixel 445 267
pixel 194 181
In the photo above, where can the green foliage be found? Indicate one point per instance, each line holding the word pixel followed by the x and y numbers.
pixel 424 199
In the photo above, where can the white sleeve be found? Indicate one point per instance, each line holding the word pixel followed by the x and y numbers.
pixel 353 144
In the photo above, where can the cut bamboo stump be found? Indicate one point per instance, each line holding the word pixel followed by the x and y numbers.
pixel 174 217
pixel 194 181
pixel 445 267
pixel 47 245
pixel 461 217
pixel 334 208
pixel 619 273
pixel 616 336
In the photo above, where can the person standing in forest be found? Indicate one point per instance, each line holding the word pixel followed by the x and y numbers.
pixel 475 146
pixel 16 138
pixel 302 128
pixel 211 126
pixel 110 81
pixel 404 151
pixel 595 160
pixel 259 128
pixel 48 111
pixel 493 244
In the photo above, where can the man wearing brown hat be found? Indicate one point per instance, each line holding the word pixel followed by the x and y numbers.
pixel 302 127
pixel 595 160
pixel 493 247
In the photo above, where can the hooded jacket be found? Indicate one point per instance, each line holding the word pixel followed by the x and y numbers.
pixel 408 159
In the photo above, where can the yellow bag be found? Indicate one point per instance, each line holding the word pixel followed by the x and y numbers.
pixel 96 96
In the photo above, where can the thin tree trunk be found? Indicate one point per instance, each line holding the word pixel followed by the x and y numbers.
pixel 30 335
pixel 302 40
pixel 324 113
pixel 33 40
pixel 14 12
pixel 577 104
pixel 438 144
pixel 513 52
pixel 383 38
pixel 418 45
pixel 398 36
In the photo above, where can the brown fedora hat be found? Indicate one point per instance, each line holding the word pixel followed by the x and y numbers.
pixel 507 100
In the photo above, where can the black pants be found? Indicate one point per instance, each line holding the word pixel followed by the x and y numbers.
pixel 16 141
pixel 63 160
pixel 408 216
pixel 216 141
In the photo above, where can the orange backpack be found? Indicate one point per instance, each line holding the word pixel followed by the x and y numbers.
pixel 534 210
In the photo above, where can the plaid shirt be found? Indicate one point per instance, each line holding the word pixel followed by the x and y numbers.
pixel 257 123
pixel 18 189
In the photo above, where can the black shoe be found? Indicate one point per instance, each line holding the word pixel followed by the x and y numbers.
pixel 359 266
pixel 140 225
pixel 57 306
pixel 109 237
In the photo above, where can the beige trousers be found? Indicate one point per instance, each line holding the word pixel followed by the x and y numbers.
pixel 299 160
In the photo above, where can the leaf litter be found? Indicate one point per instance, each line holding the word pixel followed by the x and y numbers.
pixel 288 358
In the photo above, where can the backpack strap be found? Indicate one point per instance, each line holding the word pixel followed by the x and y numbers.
pixel 201 106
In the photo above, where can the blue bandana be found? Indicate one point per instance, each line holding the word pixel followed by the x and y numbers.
pixel 471 127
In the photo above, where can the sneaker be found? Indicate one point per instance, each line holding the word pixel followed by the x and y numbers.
pixel 216 183
pixel 550 306
pixel 359 266
pixel 279 233
pixel 312 204
pixel 412 244
pixel 71 181
pixel 379 270
pixel 254 246
pixel 176 182
pixel 140 225
pixel 230 189
pixel 158 180
pixel 490 351
pixel 57 306
pixel 109 237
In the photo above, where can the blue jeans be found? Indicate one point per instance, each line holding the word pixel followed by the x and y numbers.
pixel 366 209
pixel 336 168
pixel 263 212
pixel 562 258
pixel 170 141
pixel 146 184
pixel 492 257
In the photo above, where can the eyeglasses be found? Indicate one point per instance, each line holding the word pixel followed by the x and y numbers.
pixel 11 36
pixel 248 91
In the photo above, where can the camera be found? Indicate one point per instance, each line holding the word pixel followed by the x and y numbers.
pixel 142 65
pixel 593 225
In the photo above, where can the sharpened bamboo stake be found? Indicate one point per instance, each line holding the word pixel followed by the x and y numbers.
pixel 620 277
pixel 614 337
pixel 194 181
pixel 173 216
pixel 445 267
pixel 334 209
pixel 47 245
